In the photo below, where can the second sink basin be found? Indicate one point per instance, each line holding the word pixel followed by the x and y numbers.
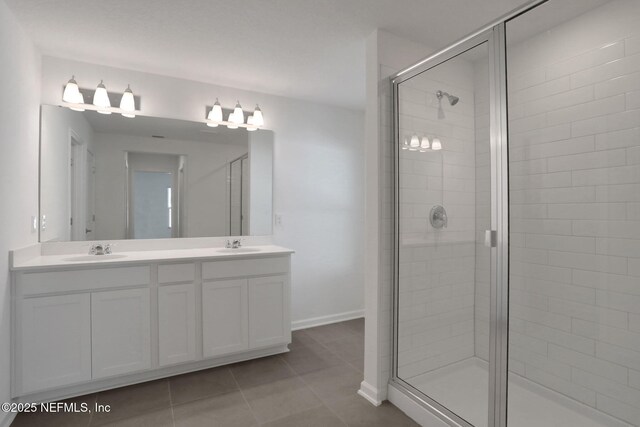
pixel 238 250
pixel 94 257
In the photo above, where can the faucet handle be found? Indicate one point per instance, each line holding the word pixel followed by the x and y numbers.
pixel 92 250
pixel 237 243
pixel 228 244
pixel 107 248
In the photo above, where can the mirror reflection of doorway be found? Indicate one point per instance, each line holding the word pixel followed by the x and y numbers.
pixel 154 195
pixel 239 196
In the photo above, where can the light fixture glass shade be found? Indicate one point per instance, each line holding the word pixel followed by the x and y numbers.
pixel 215 114
pixel 238 114
pixel 128 103
pixel 231 123
pixel 424 144
pixel 71 92
pixel 258 120
pixel 436 144
pixel 80 100
pixel 212 125
pixel 251 124
pixel 405 144
pixel 415 143
pixel 101 98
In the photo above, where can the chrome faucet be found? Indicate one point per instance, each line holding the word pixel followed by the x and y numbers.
pixel 233 244
pixel 100 249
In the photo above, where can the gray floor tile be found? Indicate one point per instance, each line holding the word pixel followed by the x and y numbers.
pixel 159 418
pixel 280 399
pixel 132 401
pixel 356 325
pixel 357 412
pixel 225 410
pixel 349 348
pixel 317 417
pixel 201 384
pixel 336 383
pixel 305 360
pixel 328 333
pixel 261 371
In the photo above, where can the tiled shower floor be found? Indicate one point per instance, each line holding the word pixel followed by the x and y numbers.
pixel 462 387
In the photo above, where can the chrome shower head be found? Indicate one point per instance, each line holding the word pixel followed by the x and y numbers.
pixel 453 100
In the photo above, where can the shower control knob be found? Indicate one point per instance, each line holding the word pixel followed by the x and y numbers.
pixel 438 217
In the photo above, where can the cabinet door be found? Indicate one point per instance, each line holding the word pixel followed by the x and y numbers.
pixel 120 332
pixel 224 317
pixel 177 323
pixel 55 337
pixel 269 322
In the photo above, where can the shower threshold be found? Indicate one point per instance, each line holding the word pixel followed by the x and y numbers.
pixel 462 388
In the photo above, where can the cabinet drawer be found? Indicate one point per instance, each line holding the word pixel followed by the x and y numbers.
pixel 171 273
pixel 244 267
pixel 83 280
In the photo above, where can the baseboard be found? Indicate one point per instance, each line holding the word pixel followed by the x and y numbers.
pixel 325 320
pixel 370 393
pixel 7 419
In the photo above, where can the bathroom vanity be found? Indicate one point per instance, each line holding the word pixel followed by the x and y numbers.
pixel 83 323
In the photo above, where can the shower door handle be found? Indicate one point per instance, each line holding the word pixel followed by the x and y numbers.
pixel 491 238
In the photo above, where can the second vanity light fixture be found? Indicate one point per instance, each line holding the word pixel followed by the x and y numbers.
pixel 74 99
pixel 414 143
pixel 235 119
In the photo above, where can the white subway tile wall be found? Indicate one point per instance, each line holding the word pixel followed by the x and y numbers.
pixel 438 267
pixel 574 153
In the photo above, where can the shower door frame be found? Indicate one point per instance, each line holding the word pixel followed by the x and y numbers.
pixel 495 37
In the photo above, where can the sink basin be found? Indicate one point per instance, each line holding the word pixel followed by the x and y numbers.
pixel 94 257
pixel 238 250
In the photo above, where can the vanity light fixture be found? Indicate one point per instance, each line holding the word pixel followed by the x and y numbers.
pixel 235 119
pixel 101 99
pixel 73 98
pixel 238 114
pixel 415 143
pixel 128 103
pixel 231 122
pixel 258 120
pixel 436 144
pixel 215 115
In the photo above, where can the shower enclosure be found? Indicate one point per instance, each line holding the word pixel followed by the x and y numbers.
pixel 517 221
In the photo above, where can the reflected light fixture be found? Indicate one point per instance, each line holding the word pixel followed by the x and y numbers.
pixel 415 143
pixel 238 114
pixel 101 99
pixel 424 144
pixel 405 144
pixel 436 144
pixel 251 124
pixel 231 124
pixel 128 103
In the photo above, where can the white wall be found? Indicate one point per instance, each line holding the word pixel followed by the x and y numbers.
pixel 260 183
pixel 574 110
pixel 386 54
pixel 19 123
pixel 318 175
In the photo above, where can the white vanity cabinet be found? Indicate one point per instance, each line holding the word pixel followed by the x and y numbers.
pixel 86 328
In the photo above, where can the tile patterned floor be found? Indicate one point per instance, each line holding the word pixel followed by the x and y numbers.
pixel 314 385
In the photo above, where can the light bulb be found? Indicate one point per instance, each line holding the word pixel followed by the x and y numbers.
pixel 101 98
pixel 128 103
pixel 405 144
pixel 71 92
pixel 80 100
pixel 258 120
pixel 215 115
pixel 415 143
pixel 238 114
pixel 231 123
pixel 436 144
pixel 251 124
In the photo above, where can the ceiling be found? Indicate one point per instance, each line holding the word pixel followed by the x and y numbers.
pixel 307 49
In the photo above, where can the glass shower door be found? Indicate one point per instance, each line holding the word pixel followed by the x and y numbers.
pixel 444 207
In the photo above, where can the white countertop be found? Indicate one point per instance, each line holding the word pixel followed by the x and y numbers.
pixel 137 257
